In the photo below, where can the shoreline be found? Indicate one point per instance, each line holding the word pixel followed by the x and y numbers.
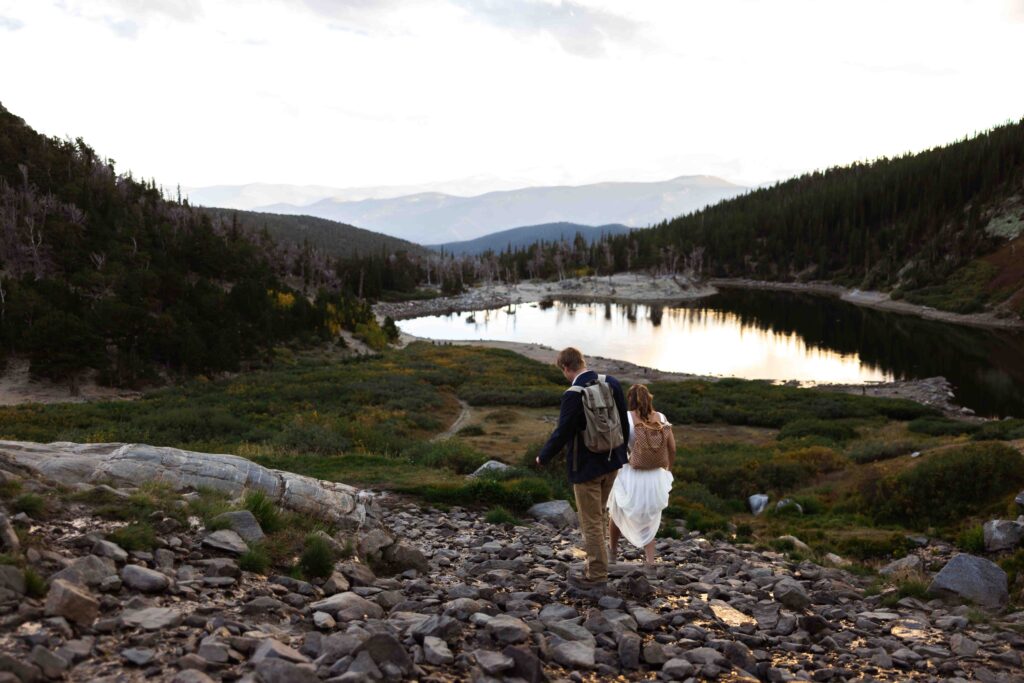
pixel 646 289
pixel 619 288
pixel 873 299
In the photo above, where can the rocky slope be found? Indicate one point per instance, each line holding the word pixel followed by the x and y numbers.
pixel 463 599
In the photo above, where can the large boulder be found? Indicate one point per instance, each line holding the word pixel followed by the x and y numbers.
pixel 1002 534
pixel 972 578
pixel 129 464
pixel 558 512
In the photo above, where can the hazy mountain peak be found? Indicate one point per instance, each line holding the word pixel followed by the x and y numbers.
pixel 432 215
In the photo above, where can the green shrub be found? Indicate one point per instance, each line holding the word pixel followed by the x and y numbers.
pixel 783 545
pixel 1000 430
pixel 1013 565
pixel 941 426
pixel 312 438
pixel 517 495
pixel 472 430
pixel 836 431
pixel 255 559
pixel 503 416
pixel 733 471
pixel 691 493
pixel 499 515
pixel 699 518
pixel 9 489
pixel 668 531
pixel 35 585
pixel 390 329
pixel 207 504
pixel 134 536
pixel 372 335
pixel 946 486
pixel 761 404
pixel 317 559
pixel 863 547
pixel 906 588
pixel 32 504
pixel 876 451
pixel 451 454
pixel 971 540
pixel 264 510
pixel 964 291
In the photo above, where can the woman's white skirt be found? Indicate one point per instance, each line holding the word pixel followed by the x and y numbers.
pixel 636 502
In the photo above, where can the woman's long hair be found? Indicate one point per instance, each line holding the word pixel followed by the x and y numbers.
pixel 640 399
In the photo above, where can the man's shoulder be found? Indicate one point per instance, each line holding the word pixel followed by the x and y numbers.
pixel 612 380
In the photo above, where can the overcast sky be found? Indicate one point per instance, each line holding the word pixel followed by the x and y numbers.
pixel 381 92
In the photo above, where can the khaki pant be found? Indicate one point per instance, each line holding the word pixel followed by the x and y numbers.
pixel 591 506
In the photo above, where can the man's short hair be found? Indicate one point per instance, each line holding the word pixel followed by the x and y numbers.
pixel 569 359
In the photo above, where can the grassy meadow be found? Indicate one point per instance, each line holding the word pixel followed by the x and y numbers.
pixel 867 472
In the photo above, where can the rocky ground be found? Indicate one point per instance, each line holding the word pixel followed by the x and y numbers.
pixel 622 287
pixel 471 600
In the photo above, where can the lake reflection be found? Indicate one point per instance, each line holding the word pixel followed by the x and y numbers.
pixel 698 340
pixel 767 335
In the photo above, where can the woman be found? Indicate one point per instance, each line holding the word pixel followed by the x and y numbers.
pixel 641 489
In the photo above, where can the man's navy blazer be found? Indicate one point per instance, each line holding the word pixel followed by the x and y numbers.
pixel 571 422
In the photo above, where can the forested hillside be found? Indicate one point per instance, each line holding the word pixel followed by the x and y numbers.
pixel 100 271
pixel 331 237
pixel 527 235
pixel 935 227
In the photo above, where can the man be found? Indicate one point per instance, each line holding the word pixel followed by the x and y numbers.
pixel 591 474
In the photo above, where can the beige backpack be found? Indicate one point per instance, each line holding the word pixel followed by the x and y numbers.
pixel 603 431
pixel 650 446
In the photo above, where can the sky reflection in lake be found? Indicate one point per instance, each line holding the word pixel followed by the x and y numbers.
pixel 695 340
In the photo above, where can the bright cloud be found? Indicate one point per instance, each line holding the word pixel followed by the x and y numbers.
pixel 372 92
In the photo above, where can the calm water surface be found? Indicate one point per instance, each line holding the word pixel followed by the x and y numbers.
pixel 764 335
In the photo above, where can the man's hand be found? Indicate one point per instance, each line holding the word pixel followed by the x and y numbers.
pixel 538 461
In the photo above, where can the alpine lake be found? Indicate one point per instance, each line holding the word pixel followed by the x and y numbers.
pixel 775 336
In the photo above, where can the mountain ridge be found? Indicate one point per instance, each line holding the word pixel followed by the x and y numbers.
pixel 529 234
pixel 436 217
pixel 334 238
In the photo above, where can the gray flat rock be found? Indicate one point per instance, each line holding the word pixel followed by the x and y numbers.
pixel 226 540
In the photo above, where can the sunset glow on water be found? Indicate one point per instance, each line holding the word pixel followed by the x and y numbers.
pixel 700 341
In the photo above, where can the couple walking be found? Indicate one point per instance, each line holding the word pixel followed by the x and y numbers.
pixel 620 491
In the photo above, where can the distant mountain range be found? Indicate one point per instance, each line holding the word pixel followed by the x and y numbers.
pixel 436 217
pixel 433 217
pixel 527 235
pixel 335 239
pixel 253 195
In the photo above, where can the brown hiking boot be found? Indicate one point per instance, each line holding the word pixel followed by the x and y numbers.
pixel 579 586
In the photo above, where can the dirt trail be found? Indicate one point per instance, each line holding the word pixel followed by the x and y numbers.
pixel 465 414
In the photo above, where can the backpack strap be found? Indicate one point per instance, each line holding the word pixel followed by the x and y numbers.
pixel 576 388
